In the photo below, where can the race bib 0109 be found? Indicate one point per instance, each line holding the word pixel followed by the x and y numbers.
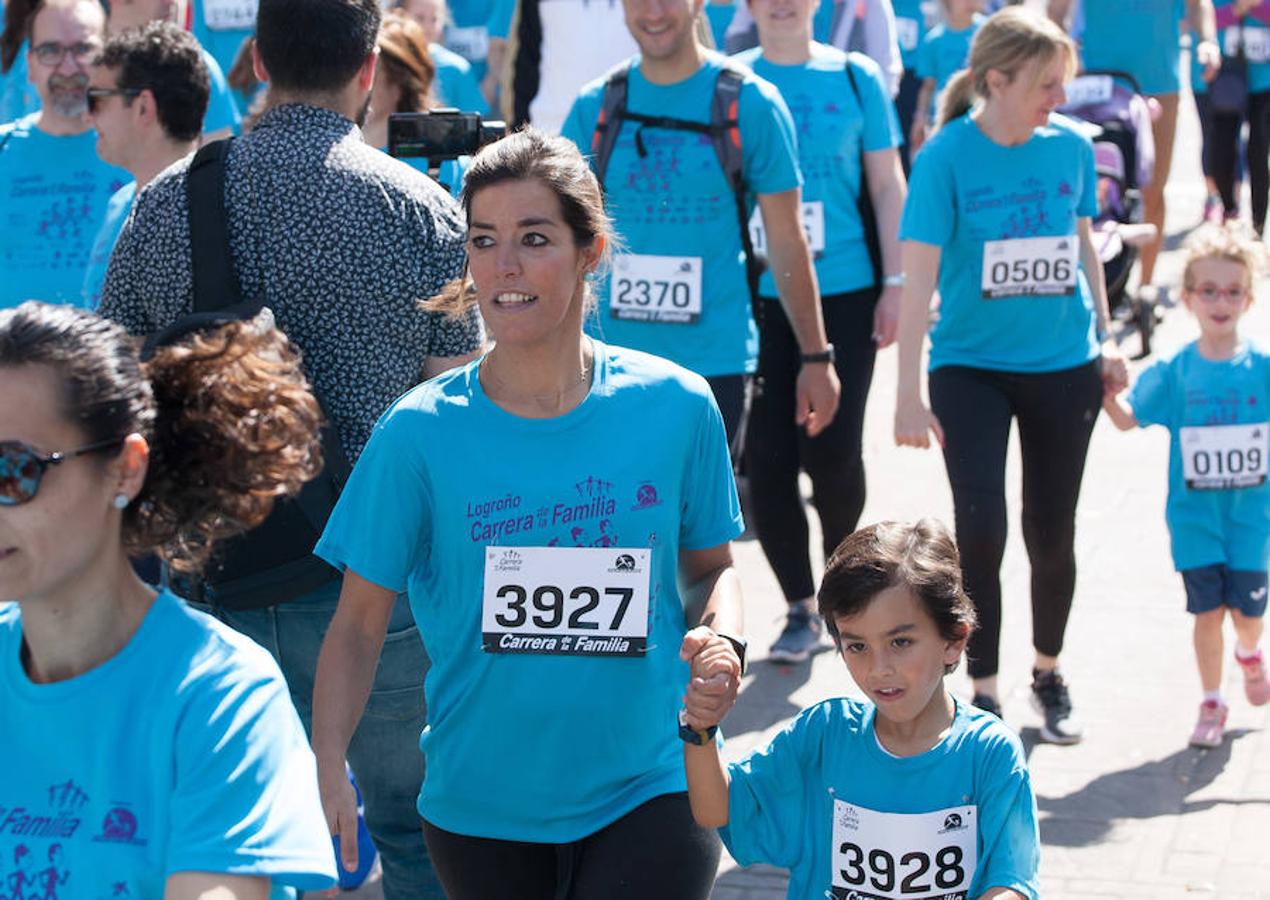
pixel 812 215
pixel 471 43
pixel 566 601
pixel 1035 267
pixel 230 15
pixel 1222 457
pixel 1089 89
pixel 907 33
pixel 646 288
pixel 903 856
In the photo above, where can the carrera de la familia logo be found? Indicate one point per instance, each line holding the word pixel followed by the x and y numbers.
pixel 952 822
pixel 507 560
pixel 119 827
pixel 624 563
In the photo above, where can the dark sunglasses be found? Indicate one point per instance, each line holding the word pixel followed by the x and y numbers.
pixel 21 467
pixel 96 95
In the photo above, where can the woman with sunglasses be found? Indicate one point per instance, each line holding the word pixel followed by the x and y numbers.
pixel 150 750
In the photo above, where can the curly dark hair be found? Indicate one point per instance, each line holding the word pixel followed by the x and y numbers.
pixel 167 61
pixel 229 416
pixel 921 556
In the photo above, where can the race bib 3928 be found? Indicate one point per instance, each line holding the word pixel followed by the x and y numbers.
pixel 903 856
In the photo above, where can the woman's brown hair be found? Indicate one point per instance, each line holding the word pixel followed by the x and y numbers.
pixel 227 412
pixel 405 60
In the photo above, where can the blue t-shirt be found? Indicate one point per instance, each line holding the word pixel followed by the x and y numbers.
pixel 104 245
pixel 473 24
pixel 1255 36
pixel 944 52
pixel 1135 36
pixel 455 86
pixel 55 191
pixel 181 753
pixel 18 96
pixel 719 15
pixel 450 172
pixel 673 200
pixel 222 108
pixel 820 783
pixel 1033 190
pixel 832 130
pixel 221 26
pixel 1210 526
pixel 420 513
pixel 913 18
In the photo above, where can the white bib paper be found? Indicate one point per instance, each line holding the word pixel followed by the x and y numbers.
pixel 230 15
pixel 1256 44
pixel 471 43
pixel 566 601
pixel 648 288
pixel 907 33
pixel 1089 89
pixel 1220 457
pixel 812 215
pixel 903 856
pixel 1039 266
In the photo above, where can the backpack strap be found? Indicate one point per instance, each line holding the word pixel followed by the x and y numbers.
pixel 215 278
pixel 612 112
pixel 864 199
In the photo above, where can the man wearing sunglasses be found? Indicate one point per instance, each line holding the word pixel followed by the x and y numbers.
pixel 147 96
pixel 53 187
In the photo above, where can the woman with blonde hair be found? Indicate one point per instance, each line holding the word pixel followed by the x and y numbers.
pixel 1020 332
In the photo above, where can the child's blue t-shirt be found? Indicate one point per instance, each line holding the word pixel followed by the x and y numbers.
pixel 54 192
pixel 913 19
pixel 117 212
pixel 824 800
pixel 678 289
pixel 18 97
pixel 1218 416
pixel 506 532
pixel 832 131
pixel 473 24
pixel 944 52
pixel 1136 36
pixel 1012 297
pixel 181 753
pixel 455 86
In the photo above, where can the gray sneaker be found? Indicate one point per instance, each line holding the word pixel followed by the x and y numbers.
pixel 800 637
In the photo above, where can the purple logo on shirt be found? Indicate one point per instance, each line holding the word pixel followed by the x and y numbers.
pixel 119 827
pixel 646 496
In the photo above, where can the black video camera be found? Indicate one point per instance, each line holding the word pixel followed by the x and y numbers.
pixel 441 134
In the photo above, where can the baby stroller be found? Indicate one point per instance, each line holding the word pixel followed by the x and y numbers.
pixel 1119 120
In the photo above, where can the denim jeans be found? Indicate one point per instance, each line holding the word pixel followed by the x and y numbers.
pixel 384 752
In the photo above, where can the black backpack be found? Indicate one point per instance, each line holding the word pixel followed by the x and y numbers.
pixel 274 562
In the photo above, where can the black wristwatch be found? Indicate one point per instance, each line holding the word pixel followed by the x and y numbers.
pixel 824 356
pixel 739 644
pixel 690 735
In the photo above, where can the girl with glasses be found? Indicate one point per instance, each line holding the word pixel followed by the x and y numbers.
pixel 150 746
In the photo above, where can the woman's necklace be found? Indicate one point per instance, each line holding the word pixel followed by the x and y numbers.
pixel 555 402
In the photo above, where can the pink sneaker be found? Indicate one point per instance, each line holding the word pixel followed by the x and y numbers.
pixel 1256 684
pixel 1211 724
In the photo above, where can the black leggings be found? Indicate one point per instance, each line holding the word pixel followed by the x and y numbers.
pixel 906 108
pixel 775 448
pixel 730 393
pixel 656 850
pixel 1056 412
pixel 1226 129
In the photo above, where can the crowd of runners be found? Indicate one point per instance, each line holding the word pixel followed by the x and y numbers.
pixel 312 464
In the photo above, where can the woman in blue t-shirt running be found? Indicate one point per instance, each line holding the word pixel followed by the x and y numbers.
pixel 160 747
pixel 542 506
pixel 1022 315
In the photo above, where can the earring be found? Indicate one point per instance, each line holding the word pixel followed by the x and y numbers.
pixel 121 501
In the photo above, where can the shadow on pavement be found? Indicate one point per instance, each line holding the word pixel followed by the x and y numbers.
pixel 765 700
pixel 1155 788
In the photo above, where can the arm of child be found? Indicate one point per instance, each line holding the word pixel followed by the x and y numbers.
pixel 711 694
pixel 1120 413
pixel 1001 894
pixel 921 118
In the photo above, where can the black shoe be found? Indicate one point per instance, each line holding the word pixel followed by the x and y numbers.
pixel 987 703
pixel 1051 700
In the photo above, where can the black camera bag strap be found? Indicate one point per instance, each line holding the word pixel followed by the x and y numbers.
pixel 274 562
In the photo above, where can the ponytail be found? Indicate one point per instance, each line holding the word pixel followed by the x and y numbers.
pixel 958 97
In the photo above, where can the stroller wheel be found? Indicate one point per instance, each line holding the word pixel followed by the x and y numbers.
pixel 1144 319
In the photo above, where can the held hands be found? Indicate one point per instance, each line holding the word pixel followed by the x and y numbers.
pixel 817 393
pixel 714 680
pixel 339 802
pixel 913 424
pixel 1208 55
pixel 1114 371
pixel 886 316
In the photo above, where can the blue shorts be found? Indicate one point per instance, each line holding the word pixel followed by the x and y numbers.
pixel 1211 587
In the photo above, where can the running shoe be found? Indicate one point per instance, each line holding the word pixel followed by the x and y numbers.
pixel 1051 700
pixel 1256 684
pixel 1211 724
pixel 987 703
pixel 800 637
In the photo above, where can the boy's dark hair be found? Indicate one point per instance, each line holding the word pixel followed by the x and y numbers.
pixel 167 61
pixel 315 46
pixel 921 556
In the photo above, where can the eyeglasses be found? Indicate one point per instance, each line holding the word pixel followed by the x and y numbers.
pixel 52 53
pixel 95 95
pixel 1210 293
pixel 21 467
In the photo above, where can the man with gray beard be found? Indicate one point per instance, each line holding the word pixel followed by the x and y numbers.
pixel 53 187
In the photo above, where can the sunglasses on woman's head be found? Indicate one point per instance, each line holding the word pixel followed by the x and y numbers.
pixel 22 467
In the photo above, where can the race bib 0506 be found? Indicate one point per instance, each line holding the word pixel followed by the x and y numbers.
pixel 566 601
pixel 230 15
pixel 1221 457
pixel 1035 267
pixel 903 856
pixel 646 288
pixel 813 219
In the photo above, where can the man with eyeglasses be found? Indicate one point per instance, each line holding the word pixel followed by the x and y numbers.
pixel 147 98
pixel 222 117
pixel 54 189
